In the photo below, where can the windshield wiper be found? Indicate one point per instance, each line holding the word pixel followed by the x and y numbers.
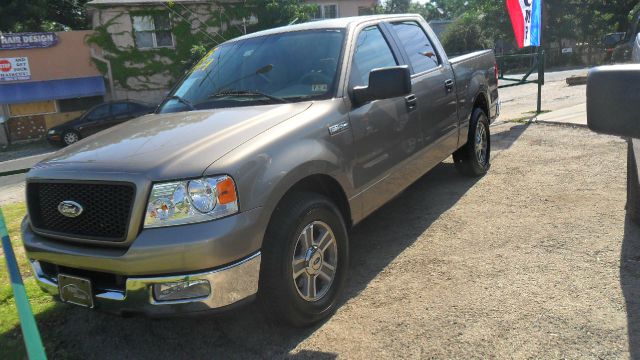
pixel 182 100
pixel 248 93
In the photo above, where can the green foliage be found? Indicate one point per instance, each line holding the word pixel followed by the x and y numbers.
pixel 133 68
pixel 465 35
pixel 43 15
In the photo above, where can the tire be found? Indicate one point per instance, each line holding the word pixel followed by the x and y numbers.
pixel 633 191
pixel 282 293
pixel 471 160
pixel 69 137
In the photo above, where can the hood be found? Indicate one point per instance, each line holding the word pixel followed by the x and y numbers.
pixel 168 146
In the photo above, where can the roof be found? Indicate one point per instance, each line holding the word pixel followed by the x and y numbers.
pixel 338 23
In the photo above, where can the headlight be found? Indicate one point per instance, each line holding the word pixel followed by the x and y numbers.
pixel 191 201
pixel 51 132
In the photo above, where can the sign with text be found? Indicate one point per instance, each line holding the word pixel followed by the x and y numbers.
pixel 526 19
pixel 27 40
pixel 13 69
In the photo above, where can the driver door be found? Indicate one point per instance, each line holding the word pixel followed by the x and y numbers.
pixel 94 121
pixel 386 132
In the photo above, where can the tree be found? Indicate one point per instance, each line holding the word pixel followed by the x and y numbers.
pixel 43 15
pixel 465 35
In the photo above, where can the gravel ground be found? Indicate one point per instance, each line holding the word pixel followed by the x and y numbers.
pixel 535 260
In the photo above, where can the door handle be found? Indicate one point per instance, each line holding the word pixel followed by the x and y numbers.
pixel 448 84
pixel 411 101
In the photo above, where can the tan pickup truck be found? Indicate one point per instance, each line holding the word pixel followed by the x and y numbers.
pixel 245 181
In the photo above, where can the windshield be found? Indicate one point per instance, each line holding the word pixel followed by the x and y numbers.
pixel 285 67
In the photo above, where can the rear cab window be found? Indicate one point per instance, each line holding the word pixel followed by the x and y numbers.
pixel 422 55
pixel 372 52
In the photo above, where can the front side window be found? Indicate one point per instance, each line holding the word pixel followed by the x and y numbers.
pixel 278 68
pixel 422 55
pixel 118 109
pixel 152 31
pixel 98 113
pixel 372 52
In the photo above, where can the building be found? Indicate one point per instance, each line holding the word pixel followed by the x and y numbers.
pixel 45 79
pixel 145 42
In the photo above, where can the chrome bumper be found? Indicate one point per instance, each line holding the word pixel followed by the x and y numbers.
pixel 229 285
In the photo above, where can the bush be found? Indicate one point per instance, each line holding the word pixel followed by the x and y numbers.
pixel 465 35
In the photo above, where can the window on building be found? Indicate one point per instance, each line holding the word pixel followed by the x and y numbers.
pixel 79 104
pixel 152 31
pixel 372 52
pixel 422 55
pixel 33 108
pixel 329 11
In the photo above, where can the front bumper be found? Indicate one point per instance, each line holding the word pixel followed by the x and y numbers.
pixel 229 285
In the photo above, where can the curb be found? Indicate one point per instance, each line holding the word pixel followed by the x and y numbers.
pixel 577 80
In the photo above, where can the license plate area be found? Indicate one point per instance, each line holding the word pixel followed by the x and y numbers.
pixel 75 290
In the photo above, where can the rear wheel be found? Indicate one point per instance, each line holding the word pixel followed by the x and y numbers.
pixel 474 158
pixel 304 260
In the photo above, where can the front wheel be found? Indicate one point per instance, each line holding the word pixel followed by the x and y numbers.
pixel 473 159
pixel 70 137
pixel 304 260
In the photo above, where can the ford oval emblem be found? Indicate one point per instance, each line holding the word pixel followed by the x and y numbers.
pixel 70 208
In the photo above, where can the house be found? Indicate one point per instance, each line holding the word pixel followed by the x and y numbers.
pixel 46 78
pixel 145 45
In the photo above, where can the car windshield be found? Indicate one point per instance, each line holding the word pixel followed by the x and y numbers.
pixel 279 68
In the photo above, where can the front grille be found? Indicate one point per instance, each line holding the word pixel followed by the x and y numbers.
pixel 105 215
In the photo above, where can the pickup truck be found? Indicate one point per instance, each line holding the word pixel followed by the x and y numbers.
pixel 245 181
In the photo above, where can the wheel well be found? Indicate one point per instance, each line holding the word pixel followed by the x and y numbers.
pixel 481 102
pixel 327 186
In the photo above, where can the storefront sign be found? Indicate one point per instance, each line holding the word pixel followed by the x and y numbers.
pixel 27 40
pixel 12 69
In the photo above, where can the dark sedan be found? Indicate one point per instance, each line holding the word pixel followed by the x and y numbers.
pixel 96 119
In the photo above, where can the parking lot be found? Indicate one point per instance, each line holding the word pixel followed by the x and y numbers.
pixel 533 260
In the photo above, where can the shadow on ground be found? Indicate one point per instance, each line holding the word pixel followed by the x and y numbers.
pixel 630 283
pixel 71 332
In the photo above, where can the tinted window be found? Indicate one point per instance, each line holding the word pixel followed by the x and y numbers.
pixel 421 53
pixel 119 109
pixel 372 52
pixel 98 113
pixel 79 104
pixel 294 66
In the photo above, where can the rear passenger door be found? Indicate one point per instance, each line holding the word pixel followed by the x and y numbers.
pixel 433 84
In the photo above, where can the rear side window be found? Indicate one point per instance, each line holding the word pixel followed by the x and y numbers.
pixel 372 52
pixel 421 53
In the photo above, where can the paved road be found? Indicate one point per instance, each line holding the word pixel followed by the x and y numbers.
pixel 12 187
pixel 553 75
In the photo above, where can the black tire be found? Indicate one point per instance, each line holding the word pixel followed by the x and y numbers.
pixel 633 191
pixel 278 291
pixel 466 159
pixel 70 134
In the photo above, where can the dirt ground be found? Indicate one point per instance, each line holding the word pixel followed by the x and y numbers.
pixel 535 260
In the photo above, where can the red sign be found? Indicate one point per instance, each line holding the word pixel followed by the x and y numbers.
pixel 5 65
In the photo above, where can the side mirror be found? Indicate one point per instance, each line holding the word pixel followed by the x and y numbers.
pixel 384 83
pixel 613 96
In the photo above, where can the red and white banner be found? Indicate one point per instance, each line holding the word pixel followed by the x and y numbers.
pixel 526 19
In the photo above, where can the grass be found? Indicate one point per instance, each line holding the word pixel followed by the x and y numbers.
pixel 11 342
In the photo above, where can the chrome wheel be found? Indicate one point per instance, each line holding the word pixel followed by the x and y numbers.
pixel 481 144
pixel 70 138
pixel 315 260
